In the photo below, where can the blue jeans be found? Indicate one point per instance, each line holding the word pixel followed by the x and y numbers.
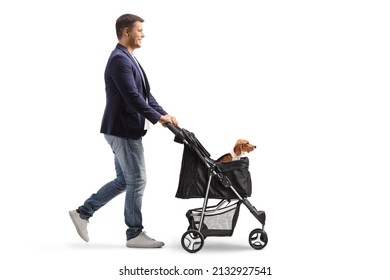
pixel 130 177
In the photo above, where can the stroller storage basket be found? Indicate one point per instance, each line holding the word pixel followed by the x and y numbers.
pixel 194 176
pixel 218 221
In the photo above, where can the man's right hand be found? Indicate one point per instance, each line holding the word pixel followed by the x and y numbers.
pixel 168 119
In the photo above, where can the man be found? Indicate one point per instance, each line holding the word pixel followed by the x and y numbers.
pixel 130 108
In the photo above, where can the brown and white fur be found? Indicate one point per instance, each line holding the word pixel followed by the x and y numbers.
pixel 241 147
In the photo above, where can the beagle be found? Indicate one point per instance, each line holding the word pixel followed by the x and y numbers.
pixel 240 148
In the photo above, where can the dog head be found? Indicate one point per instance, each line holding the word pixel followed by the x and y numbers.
pixel 243 146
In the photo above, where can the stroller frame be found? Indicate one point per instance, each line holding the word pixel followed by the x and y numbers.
pixel 193 239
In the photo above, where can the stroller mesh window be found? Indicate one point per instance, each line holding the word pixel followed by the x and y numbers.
pixel 217 222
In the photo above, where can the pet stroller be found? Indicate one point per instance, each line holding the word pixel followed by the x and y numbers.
pixel 229 182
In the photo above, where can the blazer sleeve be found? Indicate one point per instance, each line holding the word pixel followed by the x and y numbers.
pixel 122 73
pixel 154 104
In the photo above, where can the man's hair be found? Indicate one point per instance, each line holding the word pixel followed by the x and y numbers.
pixel 126 20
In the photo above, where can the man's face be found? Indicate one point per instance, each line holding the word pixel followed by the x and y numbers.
pixel 135 35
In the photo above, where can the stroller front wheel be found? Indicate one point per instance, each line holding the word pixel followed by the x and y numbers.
pixel 258 239
pixel 192 241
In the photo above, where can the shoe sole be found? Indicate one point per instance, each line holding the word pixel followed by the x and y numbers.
pixel 143 247
pixel 151 246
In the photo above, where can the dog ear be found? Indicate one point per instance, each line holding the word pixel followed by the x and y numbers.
pixel 237 148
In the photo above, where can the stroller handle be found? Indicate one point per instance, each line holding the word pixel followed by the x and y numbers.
pixel 175 129
pixel 179 137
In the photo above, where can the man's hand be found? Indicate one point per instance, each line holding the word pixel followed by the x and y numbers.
pixel 168 119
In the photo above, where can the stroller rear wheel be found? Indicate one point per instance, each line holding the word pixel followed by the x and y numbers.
pixel 258 239
pixel 192 241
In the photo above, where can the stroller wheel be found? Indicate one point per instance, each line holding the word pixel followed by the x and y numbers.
pixel 192 241
pixel 258 239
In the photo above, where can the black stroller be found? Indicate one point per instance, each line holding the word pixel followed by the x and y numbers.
pixel 202 177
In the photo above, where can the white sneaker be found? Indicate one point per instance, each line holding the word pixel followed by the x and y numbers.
pixel 144 241
pixel 80 224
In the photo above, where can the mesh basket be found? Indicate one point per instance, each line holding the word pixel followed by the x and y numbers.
pixel 218 221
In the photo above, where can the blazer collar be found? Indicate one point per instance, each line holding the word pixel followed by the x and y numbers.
pixel 124 49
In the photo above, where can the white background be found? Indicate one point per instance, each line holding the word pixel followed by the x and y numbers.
pixel 306 81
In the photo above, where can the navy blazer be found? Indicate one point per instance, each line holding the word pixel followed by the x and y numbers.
pixel 128 100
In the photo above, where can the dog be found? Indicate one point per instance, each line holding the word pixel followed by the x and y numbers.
pixel 241 147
